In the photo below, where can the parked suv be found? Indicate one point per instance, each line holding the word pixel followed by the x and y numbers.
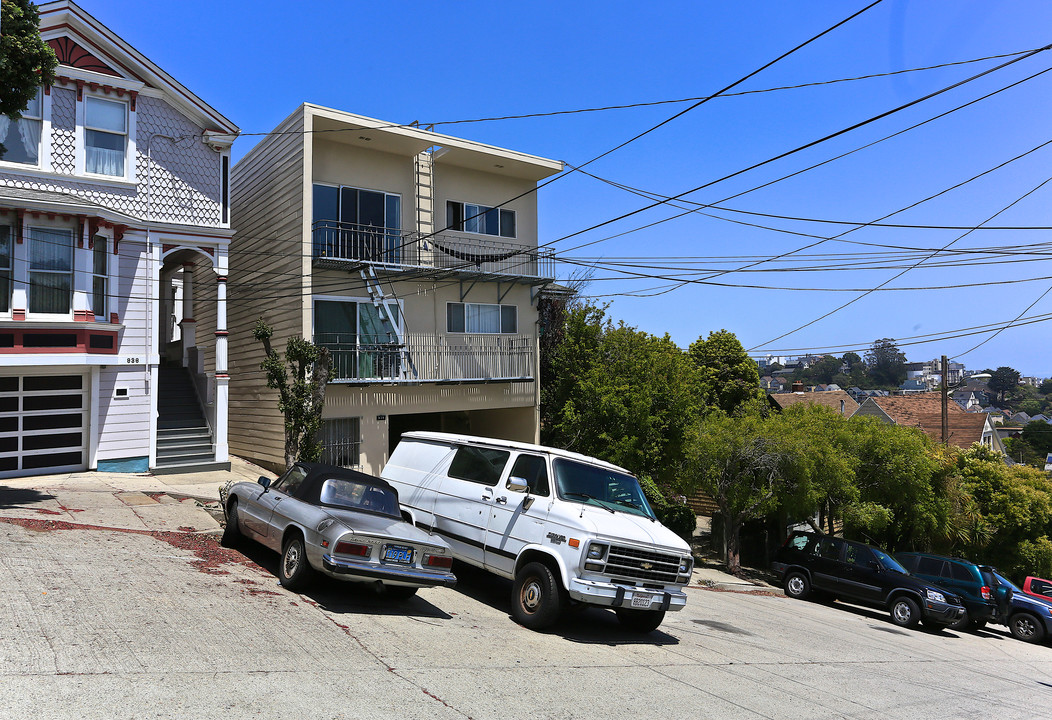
pixel 961 577
pixel 1028 618
pixel 862 574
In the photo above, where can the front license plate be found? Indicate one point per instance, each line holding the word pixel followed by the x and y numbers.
pixel 642 601
pixel 398 554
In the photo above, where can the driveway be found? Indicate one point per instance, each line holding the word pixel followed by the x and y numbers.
pixel 123 623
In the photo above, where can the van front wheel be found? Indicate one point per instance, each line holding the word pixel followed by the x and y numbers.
pixel 537 598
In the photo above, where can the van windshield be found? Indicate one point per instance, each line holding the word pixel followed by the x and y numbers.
pixel 591 485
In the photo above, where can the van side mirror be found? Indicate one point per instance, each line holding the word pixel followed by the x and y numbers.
pixel 518 484
pixel 264 481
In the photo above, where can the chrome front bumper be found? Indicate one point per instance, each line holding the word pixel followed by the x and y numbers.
pixel 616 596
pixel 371 572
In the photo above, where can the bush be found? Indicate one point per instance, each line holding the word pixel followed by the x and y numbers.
pixel 676 515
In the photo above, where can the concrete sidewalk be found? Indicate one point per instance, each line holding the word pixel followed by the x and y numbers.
pixel 126 501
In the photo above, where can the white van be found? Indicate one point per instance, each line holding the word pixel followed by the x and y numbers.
pixel 565 527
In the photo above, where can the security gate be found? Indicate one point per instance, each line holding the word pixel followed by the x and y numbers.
pixel 43 424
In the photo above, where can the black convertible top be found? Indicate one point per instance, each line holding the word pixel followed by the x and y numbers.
pixel 317 473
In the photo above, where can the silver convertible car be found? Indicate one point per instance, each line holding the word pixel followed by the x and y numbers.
pixel 339 522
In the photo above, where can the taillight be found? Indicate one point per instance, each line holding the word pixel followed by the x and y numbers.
pixel 985 592
pixel 438 561
pixel 346 548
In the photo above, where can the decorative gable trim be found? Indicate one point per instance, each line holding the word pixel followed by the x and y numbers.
pixel 70 53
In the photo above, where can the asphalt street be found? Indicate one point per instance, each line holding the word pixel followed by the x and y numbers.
pixel 130 623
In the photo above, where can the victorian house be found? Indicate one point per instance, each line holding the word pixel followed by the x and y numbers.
pixel 413 257
pixel 113 216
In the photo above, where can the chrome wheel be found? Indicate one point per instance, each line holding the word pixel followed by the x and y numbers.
pixel 530 595
pixel 795 586
pixel 905 612
pixel 1026 627
pixel 293 558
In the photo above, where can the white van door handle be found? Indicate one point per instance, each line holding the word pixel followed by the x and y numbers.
pixel 502 500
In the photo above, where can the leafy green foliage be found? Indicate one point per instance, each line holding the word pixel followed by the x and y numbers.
pixel 621 395
pixel 302 399
pixel 729 378
pixel 1003 380
pixel 1038 435
pixel 886 364
pixel 673 513
pixel 26 61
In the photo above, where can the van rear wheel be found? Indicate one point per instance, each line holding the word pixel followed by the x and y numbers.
pixel 537 598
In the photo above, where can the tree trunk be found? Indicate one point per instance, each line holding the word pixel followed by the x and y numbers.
pixel 732 529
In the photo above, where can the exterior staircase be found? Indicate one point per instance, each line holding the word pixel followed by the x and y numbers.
pixel 184 440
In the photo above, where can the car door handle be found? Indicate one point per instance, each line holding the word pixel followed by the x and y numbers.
pixel 502 500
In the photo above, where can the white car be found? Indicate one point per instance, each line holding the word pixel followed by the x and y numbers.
pixel 565 527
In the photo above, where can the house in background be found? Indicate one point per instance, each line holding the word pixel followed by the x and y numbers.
pixel 113 183
pixel 838 400
pixel 924 411
pixel 413 257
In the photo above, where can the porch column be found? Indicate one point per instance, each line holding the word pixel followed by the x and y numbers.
pixel 188 324
pixel 222 376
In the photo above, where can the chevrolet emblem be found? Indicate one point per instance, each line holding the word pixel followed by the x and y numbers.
pixel 646 566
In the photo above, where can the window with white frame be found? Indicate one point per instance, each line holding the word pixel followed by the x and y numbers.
pixel 5 268
pixel 481 318
pixel 105 136
pixel 468 217
pixel 21 138
pixel 99 276
pixel 50 270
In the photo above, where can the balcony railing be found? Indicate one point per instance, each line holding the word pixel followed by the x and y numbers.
pixel 430 358
pixel 446 251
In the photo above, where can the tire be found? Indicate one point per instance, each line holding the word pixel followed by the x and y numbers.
pixel 640 621
pixel 797 586
pixel 536 598
pixel 1026 627
pixel 398 592
pixel 294 570
pixel 905 612
pixel 978 625
pixel 232 531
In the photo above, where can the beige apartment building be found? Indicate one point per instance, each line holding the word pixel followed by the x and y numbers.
pixel 413 257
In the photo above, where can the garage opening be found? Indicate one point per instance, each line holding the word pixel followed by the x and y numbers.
pixel 43 424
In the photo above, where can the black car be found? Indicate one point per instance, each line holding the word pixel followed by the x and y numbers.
pixel 972 582
pixel 858 573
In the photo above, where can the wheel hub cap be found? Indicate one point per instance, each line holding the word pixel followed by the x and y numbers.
pixel 531 596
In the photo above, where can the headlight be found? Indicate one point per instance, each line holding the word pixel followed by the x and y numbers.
pixel 685 565
pixel 935 596
pixel 596 551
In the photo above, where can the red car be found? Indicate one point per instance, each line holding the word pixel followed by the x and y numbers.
pixel 1038 588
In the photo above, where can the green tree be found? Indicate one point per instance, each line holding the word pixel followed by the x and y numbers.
pixel 1045 388
pixel 886 364
pixel 823 371
pixel 621 395
pixel 302 399
pixel 1004 379
pixel 729 378
pixel 26 61
pixel 1038 435
pixel 851 359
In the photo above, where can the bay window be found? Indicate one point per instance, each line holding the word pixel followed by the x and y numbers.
pixel 21 138
pixel 105 136
pixel 481 318
pixel 50 270
pixel 468 217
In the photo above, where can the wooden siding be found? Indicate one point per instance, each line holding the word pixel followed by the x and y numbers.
pixel 122 422
pixel 268 255
pixel 702 504
pixel 129 282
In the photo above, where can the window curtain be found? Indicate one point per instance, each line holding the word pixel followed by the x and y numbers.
pixel 482 318
pixel 22 146
pixel 105 153
pixel 50 270
pixel 29 130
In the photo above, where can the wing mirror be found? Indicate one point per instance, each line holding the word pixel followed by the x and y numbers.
pixel 264 481
pixel 518 484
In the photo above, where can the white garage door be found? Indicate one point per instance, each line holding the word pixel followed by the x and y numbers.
pixel 43 424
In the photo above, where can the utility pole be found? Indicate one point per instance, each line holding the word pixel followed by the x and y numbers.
pixel 943 400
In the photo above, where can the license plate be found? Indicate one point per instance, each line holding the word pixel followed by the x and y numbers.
pixel 398 554
pixel 642 601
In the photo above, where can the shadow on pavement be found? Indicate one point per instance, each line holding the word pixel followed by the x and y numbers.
pixel 20 497
pixel 581 624
pixel 340 597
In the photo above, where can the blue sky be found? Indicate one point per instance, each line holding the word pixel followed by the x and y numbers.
pixel 440 62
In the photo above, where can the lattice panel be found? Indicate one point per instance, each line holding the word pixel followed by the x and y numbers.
pixel 63 130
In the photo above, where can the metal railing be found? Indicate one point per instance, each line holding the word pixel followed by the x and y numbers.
pixel 430 358
pixel 448 251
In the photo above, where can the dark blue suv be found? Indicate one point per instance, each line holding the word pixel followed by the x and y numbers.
pixel 970 581
pixel 860 573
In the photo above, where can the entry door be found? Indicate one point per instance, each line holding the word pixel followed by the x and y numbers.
pixel 517 519
pixel 43 424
